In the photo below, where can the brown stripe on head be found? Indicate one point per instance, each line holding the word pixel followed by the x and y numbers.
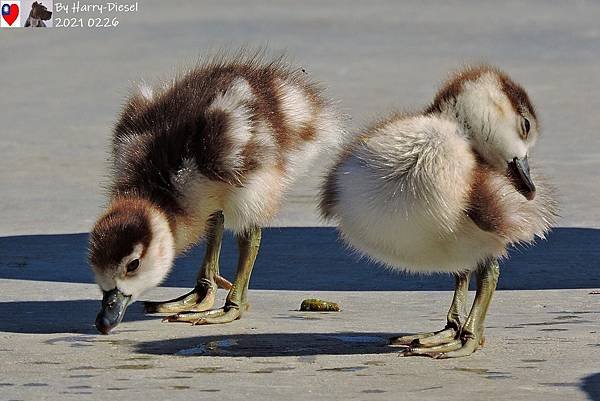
pixel 516 95
pixel 115 234
pixel 454 86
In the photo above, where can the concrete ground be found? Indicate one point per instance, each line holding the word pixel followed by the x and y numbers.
pixel 60 92
pixel 542 340
pixel 541 345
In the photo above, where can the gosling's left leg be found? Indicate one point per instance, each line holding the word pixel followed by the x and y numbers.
pixel 236 302
pixel 454 320
pixel 471 335
pixel 202 297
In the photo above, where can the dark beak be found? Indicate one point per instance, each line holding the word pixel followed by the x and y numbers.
pixel 519 172
pixel 114 303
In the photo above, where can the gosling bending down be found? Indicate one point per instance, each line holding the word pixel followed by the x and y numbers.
pixel 218 147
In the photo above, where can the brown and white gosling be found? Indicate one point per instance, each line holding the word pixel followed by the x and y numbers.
pixel 445 190
pixel 217 147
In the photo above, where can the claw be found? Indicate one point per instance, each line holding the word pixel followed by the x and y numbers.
pixel 408 340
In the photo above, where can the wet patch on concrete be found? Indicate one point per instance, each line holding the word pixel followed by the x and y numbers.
pixel 576 312
pixel 87 367
pixel 139 358
pixel 73 341
pixel 76 392
pixel 81 376
pixel 271 345
pixel 560 384
pixel 44 363
pixel 488 374
pixel 116 342
pixel 498 375
pixel 427 389
pixel 208 370
pixel 521 325
pixel 374 363
pixel 343 369
pixel 565 317
pixel 134 367
pixel 479 371
pixel 273 369
pixel 210 347
pixel 298 317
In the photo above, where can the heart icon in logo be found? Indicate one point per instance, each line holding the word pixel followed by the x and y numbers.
pixel 10 13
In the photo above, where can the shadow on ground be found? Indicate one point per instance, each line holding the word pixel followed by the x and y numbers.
pixel 314 259
pixel 591 386
pixel 274 344
pixel 50 317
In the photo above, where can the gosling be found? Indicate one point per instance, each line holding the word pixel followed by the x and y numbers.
pixel 215 149
pixel 445 190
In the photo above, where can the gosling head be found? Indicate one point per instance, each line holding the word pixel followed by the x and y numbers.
pixel 497 117
pixel 131 250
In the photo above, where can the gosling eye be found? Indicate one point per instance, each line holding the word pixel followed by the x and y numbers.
pixel 133 265
pixel 526 126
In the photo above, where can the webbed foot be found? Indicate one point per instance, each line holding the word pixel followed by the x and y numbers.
pixel 226 314
pixel 201 298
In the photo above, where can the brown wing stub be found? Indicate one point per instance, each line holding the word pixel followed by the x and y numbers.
pixel 484 207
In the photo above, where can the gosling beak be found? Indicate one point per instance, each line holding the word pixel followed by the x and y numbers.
pixel 114 303
pixel 519 171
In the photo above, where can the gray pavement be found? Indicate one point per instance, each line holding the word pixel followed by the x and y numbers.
pixel 541 345
pixel 60 91
pixel 542 339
